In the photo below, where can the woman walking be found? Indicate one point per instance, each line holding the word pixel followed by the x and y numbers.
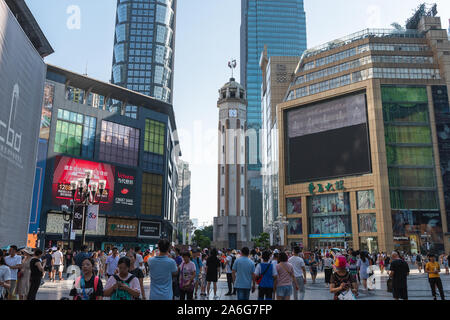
pixel 187 277
pixel 23 287
pixel 328 268
pixel 363 265
pixel 36 273
pixel 212 271
pixel 88 286
pixel 266 277
pixel 286 278
pixel 342 281
pixel 124 285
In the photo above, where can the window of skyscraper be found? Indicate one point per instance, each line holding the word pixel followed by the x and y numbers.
pixel 151 197
pixel 74 94
pixel 155 132
pixel 119 143
pixel 75 134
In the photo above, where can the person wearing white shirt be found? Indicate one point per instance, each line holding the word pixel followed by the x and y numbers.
pixel 139 264
pixel 5 277
pixel 15 263
pixel 299 272
pixel 58 263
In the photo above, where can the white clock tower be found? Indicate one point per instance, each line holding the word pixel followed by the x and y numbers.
pixel 232 224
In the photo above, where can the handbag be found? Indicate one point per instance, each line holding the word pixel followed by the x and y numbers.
pixel 390 285
pixel 348 295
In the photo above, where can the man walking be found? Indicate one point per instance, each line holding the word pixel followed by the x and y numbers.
pixel 433 269
pixel 244 275
pixel 14 262
pixel 229 261
pixel 111 263
pixel 58 264
pixel 162 270
pixel 83 254
pixel 399 272
pixel 299 272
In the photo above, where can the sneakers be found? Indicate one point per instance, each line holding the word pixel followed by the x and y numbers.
pixel 229 294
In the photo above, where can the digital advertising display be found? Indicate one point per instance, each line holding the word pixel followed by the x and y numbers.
pixel 69 170
pixel 120 189
pixel 327 140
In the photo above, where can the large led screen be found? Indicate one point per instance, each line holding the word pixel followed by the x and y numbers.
pixel 327 140
pixel 119 193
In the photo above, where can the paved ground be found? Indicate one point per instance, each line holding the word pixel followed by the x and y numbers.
pixel 418 289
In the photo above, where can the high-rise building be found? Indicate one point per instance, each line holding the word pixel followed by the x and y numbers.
pixel 277 73
pixel 184 191
pixel 232 226
pixel 281 25
pixel 365 141
pixel 144 45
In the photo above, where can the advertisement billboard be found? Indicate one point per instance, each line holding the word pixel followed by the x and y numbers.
pixel 120 190
pixel 327 140
pixel 121 227
pixel 22 76
pixel 149 229
pixel 69 169
pixel 124 189
pixel 47 107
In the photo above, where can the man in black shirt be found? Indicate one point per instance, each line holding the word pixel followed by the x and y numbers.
pixel 48 264
pixel 399 272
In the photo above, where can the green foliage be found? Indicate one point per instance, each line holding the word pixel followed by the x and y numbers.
pixel 203 237
pixel 263 241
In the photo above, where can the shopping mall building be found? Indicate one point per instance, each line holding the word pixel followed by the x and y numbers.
pixel 126 139
pixel 365 142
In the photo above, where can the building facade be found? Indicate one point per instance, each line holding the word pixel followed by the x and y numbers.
pixel 232 226
pixel 183 193
pixel 281 25
pixel 22 73
pixel 86 126
pixel 364 142
pixel 276 73
pixel 144 45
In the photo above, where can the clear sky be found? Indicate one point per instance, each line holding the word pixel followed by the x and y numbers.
pixel 207 36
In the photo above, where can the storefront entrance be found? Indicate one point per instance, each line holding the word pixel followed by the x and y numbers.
pixel 329 243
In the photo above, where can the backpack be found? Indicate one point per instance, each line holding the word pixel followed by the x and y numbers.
pixel 233 259
pixel 122 294
pixel 77 285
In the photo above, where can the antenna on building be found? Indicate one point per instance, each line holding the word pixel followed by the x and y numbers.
pixel 86 70
pixel 232 65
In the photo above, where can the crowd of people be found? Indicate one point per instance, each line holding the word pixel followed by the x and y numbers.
pixel 194 273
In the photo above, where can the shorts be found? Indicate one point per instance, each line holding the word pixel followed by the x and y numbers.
pixel 58 268
pixel 284 291
pixel 48 268
pixel 400 293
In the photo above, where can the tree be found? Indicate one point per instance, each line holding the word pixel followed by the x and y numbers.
pixel 201 240
pixel 262 241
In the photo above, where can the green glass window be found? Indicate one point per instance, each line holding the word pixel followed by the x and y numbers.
pixel 75 134
pixel 409 156
pixel 407 134
pixel 405 112
pixel 151 203
pixel 404 94
pixel 419 178
pixel 406 199
pixel 154 136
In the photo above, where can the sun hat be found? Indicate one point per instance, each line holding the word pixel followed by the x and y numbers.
pixel 28 250
pixel 340 262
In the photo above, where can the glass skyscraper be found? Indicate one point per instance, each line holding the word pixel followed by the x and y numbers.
pixel 144 44
pixel 281 25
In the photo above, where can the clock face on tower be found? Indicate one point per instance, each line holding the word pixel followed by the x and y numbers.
pixel 232 113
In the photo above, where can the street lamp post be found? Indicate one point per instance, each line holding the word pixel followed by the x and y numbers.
pixel 84 194
pixel 281 223
pixel 270 229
